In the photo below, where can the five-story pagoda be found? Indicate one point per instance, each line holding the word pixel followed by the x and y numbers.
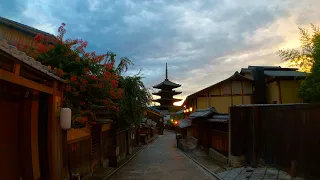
pixel 166 93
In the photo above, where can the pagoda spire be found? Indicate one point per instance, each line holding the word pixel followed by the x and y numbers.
pixel 166 71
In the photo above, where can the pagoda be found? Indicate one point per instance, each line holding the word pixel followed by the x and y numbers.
pixel 166 93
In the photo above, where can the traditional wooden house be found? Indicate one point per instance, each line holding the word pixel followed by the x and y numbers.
pixel 253 85
pixel 15 32
pixel 30 101
pixel 210 128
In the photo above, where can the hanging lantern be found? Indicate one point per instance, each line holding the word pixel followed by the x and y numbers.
pixel 65 118
pixel 190 109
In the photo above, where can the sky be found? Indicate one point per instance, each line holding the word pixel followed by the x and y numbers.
pixel 203 41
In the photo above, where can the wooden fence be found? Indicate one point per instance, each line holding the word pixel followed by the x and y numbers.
pixel 79 152
pixel 286 136
pixel 219 141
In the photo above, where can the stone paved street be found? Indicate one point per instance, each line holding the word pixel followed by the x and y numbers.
pixel 262 173
pixel 161 160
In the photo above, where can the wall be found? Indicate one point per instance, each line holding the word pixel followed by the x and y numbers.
pixel 224 95
pixel 273 96
pixel 13 36
pixel 289 90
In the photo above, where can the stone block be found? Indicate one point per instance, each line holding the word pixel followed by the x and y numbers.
pixel 217 156
pixel 237 161
pixel 105 163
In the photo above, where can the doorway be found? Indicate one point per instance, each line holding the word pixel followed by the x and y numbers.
pixel 43 114
pixel 11 130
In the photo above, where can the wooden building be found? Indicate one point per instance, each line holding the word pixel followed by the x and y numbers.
pixel 156 116
pixel 15 32
pixel 255 84
pixel 30 101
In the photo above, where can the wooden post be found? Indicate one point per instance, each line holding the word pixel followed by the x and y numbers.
pixel 54 134
pixel 16 69
pixel 242 92
pixel 229 138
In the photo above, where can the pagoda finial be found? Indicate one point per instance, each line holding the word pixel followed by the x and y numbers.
pixel 166 71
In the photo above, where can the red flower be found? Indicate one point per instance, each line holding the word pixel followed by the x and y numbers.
pixel 84 82
pixel 109 66
pixel 73 78
pixel 41 48
pixel 68 89
pixel 60 72
pixel 114 83
pixel 107 74
pixel 38 37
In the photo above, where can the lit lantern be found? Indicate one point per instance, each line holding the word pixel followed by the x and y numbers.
pixel 190 109
pixel 65 118
pixel 187 110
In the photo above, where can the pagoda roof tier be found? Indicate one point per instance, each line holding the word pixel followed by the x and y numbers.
pixel 166 84
pixel 164 92
pixel 167 99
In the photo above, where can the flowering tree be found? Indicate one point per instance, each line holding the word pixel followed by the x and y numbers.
pixel 92 79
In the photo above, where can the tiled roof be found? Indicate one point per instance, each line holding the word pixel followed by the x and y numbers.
pixel 24 58
pixel 183 123
pixel 219 118
pixel 285 74
pixel 167 99
pixel 155 110
pixel 179 112
pixel 167 83
pixel 203 112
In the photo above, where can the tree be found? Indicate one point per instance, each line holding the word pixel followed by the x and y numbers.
pixel 134 101
pixel 302 58
pixel 310 88
pixel 92 80
pixel 307 59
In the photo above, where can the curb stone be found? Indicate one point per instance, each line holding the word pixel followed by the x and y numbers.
pixel 204 167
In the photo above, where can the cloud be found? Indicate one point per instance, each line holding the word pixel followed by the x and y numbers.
pixel 203 42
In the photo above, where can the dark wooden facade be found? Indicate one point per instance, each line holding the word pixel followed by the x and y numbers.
pixel 282 135
pixel 30 98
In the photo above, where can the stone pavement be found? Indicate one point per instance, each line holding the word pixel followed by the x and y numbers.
pixel 161 160
pixel 204 159
pixel 261 173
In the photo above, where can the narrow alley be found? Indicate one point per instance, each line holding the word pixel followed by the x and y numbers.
pixel 161 160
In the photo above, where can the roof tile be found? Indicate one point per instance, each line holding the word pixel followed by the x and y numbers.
pixel 23 57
